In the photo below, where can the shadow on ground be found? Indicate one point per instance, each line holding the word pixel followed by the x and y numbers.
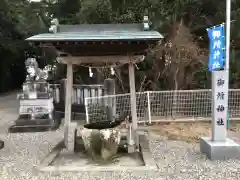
pixel 1 144
pixel 13 129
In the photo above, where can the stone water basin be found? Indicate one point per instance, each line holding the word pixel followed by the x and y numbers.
pixel 101 139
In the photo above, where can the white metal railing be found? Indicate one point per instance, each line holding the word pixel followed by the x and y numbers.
pixel 79 92
pixel 183 105
pixel 56 92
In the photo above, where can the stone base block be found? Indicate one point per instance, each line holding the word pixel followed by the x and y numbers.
pixel 219 150
pixel 70 136
pixel 131 148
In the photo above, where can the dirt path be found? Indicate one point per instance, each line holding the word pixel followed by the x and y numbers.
pixel 191 132
pixel 9 101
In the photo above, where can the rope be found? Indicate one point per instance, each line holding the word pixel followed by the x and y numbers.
pixel 101 67
pixel 105 67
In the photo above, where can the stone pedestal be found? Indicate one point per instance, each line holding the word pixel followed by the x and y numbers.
pixel 36 108
pixel 219 150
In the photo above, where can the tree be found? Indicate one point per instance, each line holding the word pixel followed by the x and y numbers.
pixel 18 19
pixel 179 58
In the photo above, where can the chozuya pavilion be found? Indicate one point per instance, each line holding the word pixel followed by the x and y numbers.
pixel 98 45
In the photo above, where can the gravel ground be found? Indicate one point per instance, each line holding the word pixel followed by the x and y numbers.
pixel 176 160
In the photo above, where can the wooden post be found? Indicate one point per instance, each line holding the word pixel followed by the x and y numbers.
pixel 109 85
pixel 133 135
pixel 62 91
pixel 68 108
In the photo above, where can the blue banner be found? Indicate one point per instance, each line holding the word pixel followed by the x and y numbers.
pixel 217 48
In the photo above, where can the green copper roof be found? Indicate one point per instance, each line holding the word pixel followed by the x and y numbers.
pixel 98 32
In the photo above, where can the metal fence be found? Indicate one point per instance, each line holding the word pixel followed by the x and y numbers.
pixel 183 105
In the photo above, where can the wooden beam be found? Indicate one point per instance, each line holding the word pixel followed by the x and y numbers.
pixel 84 49
pixel 133 103
pixel 100 59
pixel 75 42
pixel 68 105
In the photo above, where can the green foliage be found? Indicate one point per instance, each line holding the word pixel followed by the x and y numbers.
pixel 20 19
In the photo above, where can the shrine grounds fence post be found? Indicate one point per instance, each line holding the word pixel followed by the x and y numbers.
pixel 149 107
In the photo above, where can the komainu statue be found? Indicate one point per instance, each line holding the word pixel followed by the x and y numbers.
pixel 36 108
pixel 34 72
